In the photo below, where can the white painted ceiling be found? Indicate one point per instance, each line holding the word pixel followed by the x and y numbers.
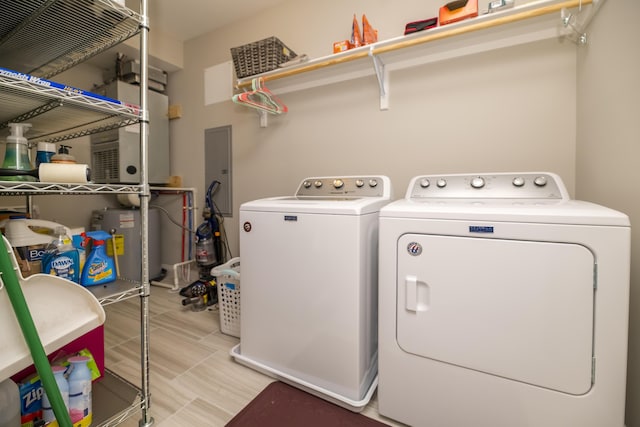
pixel 186 19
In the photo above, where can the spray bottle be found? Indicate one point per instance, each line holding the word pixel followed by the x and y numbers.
pixel 99 267
pixel 16 154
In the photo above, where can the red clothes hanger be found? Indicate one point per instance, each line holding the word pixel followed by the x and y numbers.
pixel 261 98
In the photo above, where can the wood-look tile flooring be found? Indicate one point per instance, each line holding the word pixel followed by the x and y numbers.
pixel 193 380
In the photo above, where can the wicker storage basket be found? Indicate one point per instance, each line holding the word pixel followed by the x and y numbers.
pixel 259 57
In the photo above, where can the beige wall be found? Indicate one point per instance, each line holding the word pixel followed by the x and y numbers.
pixel 607 169
pixel 512 109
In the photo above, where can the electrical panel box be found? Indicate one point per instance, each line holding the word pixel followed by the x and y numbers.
pixel 115 154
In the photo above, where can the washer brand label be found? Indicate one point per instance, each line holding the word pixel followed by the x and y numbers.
pixel 290 218
pixel 480 229
pixel 414 248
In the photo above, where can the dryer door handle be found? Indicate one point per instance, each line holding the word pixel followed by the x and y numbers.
pixel 416 294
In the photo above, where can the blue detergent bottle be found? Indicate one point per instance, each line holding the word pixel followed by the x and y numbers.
pixel 60 258
pixel 99 267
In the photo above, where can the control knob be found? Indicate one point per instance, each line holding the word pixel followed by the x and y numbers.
pixel 540 181
pixel 359 183
pixel 441 183
pixel 318 184
pixel 477 182
pixel 306 184
pixel 518 181
pixel 373 183
pixel 338 183
pixel 424 183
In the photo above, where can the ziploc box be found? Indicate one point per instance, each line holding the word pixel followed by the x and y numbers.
pixel 31 401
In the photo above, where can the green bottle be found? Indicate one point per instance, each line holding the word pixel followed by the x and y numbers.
pixel 16 155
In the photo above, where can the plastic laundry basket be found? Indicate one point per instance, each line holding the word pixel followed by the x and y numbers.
pixel 227 278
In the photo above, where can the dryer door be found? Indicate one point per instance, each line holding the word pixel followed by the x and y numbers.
pixel 521 310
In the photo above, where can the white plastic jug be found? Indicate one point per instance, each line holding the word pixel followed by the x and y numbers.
pixel 9 404
pixel 19 233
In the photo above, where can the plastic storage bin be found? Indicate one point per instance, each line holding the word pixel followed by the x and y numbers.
pixel 227 278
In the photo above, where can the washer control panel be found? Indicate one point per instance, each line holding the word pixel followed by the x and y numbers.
pixel 491 186
pixel 349 186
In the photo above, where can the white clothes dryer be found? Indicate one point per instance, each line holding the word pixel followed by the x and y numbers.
pixel 309 287
pixel 502 303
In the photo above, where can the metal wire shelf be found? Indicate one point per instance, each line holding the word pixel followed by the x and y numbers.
pixel 17 188
pixel 59 113
pixel 46 37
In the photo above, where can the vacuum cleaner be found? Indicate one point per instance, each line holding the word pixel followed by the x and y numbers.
pixel 209 253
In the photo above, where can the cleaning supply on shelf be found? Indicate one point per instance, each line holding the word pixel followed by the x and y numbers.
pixel 99 267
pixel 60 258
pixel 29 238
pixel 63 155
pixel 16 156
pixel 9 404
pixel 63 385
pixel 80 405
pixel 46 150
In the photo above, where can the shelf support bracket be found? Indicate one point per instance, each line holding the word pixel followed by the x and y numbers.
pixel 579 22
pixel 264 121
pixel 383 79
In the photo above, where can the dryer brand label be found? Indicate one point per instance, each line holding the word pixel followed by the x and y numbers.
pixel 290 218
pixel 480 229
pixel 414 248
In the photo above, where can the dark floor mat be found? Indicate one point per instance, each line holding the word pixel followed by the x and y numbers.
pixel 282 405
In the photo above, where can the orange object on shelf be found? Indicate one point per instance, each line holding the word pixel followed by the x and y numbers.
pixel 356 38
pixel 341 46
pixel 457 11
pixel 369 34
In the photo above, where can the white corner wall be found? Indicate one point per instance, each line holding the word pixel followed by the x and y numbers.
pixel 608 145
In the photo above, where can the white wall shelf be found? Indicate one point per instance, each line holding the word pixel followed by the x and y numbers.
pixel 526 23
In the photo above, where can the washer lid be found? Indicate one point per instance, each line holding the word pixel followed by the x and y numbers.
pixel 337 206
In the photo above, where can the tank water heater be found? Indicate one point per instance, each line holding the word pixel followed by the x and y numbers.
pixel 126 222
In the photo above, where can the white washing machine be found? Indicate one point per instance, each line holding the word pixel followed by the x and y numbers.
pixel 309 287
pixel 502 303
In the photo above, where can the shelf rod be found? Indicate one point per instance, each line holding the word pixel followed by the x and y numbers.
pixel 378 49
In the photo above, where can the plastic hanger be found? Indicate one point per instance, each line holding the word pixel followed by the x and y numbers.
pixel 261 98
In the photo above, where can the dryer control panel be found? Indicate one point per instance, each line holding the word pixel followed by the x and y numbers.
pixel 527 185
pixel 345 187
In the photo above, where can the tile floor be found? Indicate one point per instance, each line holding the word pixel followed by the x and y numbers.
pixel 193 380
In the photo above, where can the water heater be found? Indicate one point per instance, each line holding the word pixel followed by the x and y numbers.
pixel 126 222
